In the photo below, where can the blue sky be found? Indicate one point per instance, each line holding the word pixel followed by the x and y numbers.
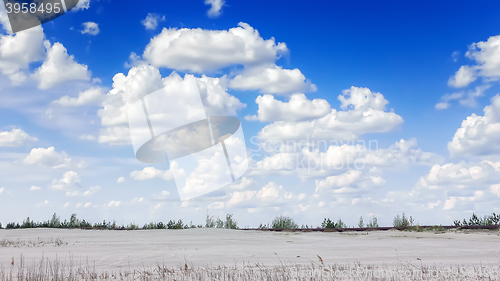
pixel 403 55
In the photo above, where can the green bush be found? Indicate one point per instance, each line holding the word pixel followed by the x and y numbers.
pixel 230 222
pixel 493 219
pixel 373 223
pixel 284 222
pixel 209 221
pixel 176 225
pixel 327 223
pixel 361 224
pixel 402 221
pixel 12 225
pixel 28 223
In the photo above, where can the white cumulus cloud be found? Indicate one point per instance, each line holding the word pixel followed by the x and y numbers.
pixel 90 96
pixel 15 138
pixel 363 111
pixel 479 135
pixel 272 79
pixel 298 108
pixel 59 67
pixel 198 50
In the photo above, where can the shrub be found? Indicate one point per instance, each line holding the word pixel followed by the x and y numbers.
pixel 230 222
pixel 209 221
pixel 131 226
pixel 55 222
pixel 264 226
pixel 284 222
pixel 361 224
pixel 493 219
pixel 373 223
pixel 12 225
pixel 104 224
pixel 28 223
pixel 219 223
pixel 176 225
pixel 402 221
pixel 327 223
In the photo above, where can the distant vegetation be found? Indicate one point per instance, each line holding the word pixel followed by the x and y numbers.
pixel 327 223
pixel 492 219
pixel 284 222
pixel 402 221
pixel 279 222
pixel 74 222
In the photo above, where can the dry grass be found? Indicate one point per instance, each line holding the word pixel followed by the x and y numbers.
pixel 46 269
pixel 32 243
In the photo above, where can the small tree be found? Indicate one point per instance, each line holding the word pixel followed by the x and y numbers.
pixel 219 223
pixel 400 221
pixel 327 223
pixel 28 223
pixel 176 225
pixel 361 224
pixel 55 222
pixel 209 221
pixel 230 222
pixel 73 221
pixel 373 223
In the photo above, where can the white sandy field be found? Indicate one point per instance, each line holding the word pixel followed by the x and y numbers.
pixel 124 250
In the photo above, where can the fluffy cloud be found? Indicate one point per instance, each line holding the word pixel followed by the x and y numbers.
pixel 272 80
pixel 215 98
pixel 48 157
pixel 306 162
pixel 18 51
pixel 243 183
pixel 120 180
pixel 151 173
pixel 215 7
pixel 70 180
pixel 199 50
pixel 351 181
pixel 90 96
pixel 91 28
pixel 15 138
pixel 270 194
pixel 463 77
pixel 486 54
pixel 145 79
pixel 59 67
pixel 298 108
pixel 362 112
pixel 479 135
pixel 114 203
pixel 151 21
pixel 459 186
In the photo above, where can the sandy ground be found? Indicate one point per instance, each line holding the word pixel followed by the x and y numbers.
pixel 123 250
